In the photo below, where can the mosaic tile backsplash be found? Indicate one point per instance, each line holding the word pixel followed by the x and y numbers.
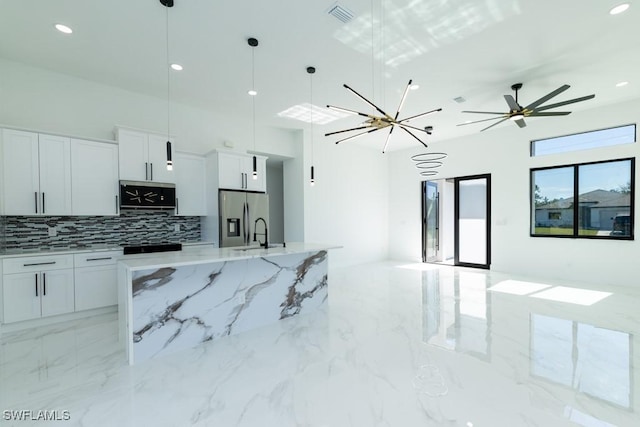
pixel 131 227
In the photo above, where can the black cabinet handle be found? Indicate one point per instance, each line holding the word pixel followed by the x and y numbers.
pixel 117 207
pixel 146 171
pixel 35 197
pixel 177 206
pixel 43 211
pixel 44 283
pixel 39 263
pixel 99 259
pixel 36 284
pixel 151 171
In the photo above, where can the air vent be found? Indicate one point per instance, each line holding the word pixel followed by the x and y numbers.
pixel 459 99
pixel 341 13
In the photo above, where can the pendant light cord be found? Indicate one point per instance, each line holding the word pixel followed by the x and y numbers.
pixel 311 98
pixel 253 98
pixel 168 79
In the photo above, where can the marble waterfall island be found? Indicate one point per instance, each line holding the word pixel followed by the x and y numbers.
pixel 176 300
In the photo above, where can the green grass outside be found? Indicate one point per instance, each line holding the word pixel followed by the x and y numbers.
pixel 557 231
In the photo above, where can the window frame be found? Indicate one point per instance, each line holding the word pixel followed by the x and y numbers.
pixel 576 208
pixel 533 142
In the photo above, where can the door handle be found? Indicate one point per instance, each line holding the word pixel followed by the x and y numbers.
pixel 146 171
pixel 36 284
pixel 43 210
pixel 44 284
pixel 151 171
pixel 248 224
pixel 35 198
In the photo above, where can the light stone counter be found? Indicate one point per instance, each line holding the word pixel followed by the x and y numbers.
pixel 175 300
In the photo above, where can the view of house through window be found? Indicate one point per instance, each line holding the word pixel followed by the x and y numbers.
pixel 585 200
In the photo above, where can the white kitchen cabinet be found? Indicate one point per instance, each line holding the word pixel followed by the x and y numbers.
pixel 95 280
pixel 235 172
pixel 143 156
pixel 36 174
pixel 94 178
pixel 36 287
pixel 190 185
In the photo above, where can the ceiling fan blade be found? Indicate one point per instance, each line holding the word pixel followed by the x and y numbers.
pixel 346 130
pixel 367 101
pixel 387 141
pixel 404 96
pixel 520 123
pixel 483 112
pixel 571 101
pixel 357 135
pixel 496 123
pixel 504 116
pixel 547 97
pixel 419 115
pixel 346 110
pixel 552 113
pixel 513 105
pixel 411 133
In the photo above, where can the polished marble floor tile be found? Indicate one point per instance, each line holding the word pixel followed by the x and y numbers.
pixel 397 345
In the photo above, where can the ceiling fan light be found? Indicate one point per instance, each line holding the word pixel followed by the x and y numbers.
pixel 517 116
pixel 619 9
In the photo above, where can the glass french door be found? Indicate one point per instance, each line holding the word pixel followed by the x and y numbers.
pixel 431 222
pixel 473 221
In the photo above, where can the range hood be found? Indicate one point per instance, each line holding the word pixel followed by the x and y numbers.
pixel 147 195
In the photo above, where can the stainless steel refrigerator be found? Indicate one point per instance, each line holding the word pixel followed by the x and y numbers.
pixel 239 211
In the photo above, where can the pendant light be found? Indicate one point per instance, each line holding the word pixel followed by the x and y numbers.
pixel 253 42
pixel 311 71
pixel 168 4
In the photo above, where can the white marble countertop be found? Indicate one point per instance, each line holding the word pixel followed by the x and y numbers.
pixel 207 254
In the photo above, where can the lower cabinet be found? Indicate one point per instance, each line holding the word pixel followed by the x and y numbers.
pixel 36 287
pixel 96 280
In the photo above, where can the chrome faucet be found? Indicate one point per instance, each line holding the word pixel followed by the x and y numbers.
pixel 265 234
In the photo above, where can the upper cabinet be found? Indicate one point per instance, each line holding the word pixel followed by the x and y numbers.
pixel 235 172
pixel 36 174
pixel 94 178
pixel 143 156
pixel 190 185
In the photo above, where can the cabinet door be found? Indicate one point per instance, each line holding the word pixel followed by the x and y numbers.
pixel 21 297
pixel 158 159
pixel 231 172
pixel 190 185
pixel 260 183
pixel 20 173
pixel 94 178
pixel 133 155
pixel 55 175
pixel 95 287
pixel 57 292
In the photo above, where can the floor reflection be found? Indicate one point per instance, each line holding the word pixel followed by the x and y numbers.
pixel 592 360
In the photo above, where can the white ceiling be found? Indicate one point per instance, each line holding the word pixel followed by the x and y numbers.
pixel 470 48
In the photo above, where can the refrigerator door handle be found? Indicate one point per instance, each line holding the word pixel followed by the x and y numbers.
pixel 248 225
pixel 245 220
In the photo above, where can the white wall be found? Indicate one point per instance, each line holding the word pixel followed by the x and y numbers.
pixel 276 202
pixel 348 205
pixel 504 152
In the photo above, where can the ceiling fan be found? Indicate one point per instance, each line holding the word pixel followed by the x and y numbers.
pixel 374 123
pixel 517 113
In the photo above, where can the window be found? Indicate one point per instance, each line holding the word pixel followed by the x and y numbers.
pixel 591 200
pixel 585 140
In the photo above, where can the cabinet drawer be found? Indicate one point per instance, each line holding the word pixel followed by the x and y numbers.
pixel 92 259
pixel 36 263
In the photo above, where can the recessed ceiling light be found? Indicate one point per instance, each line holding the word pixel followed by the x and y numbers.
pixel 619 9
pixel 252 92
pixel 415 87
pixel 620 84
pixel 176 67
pixel 63 29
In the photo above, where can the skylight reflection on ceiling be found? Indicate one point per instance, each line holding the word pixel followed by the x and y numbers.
pixel 321 115
pixel 419 26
